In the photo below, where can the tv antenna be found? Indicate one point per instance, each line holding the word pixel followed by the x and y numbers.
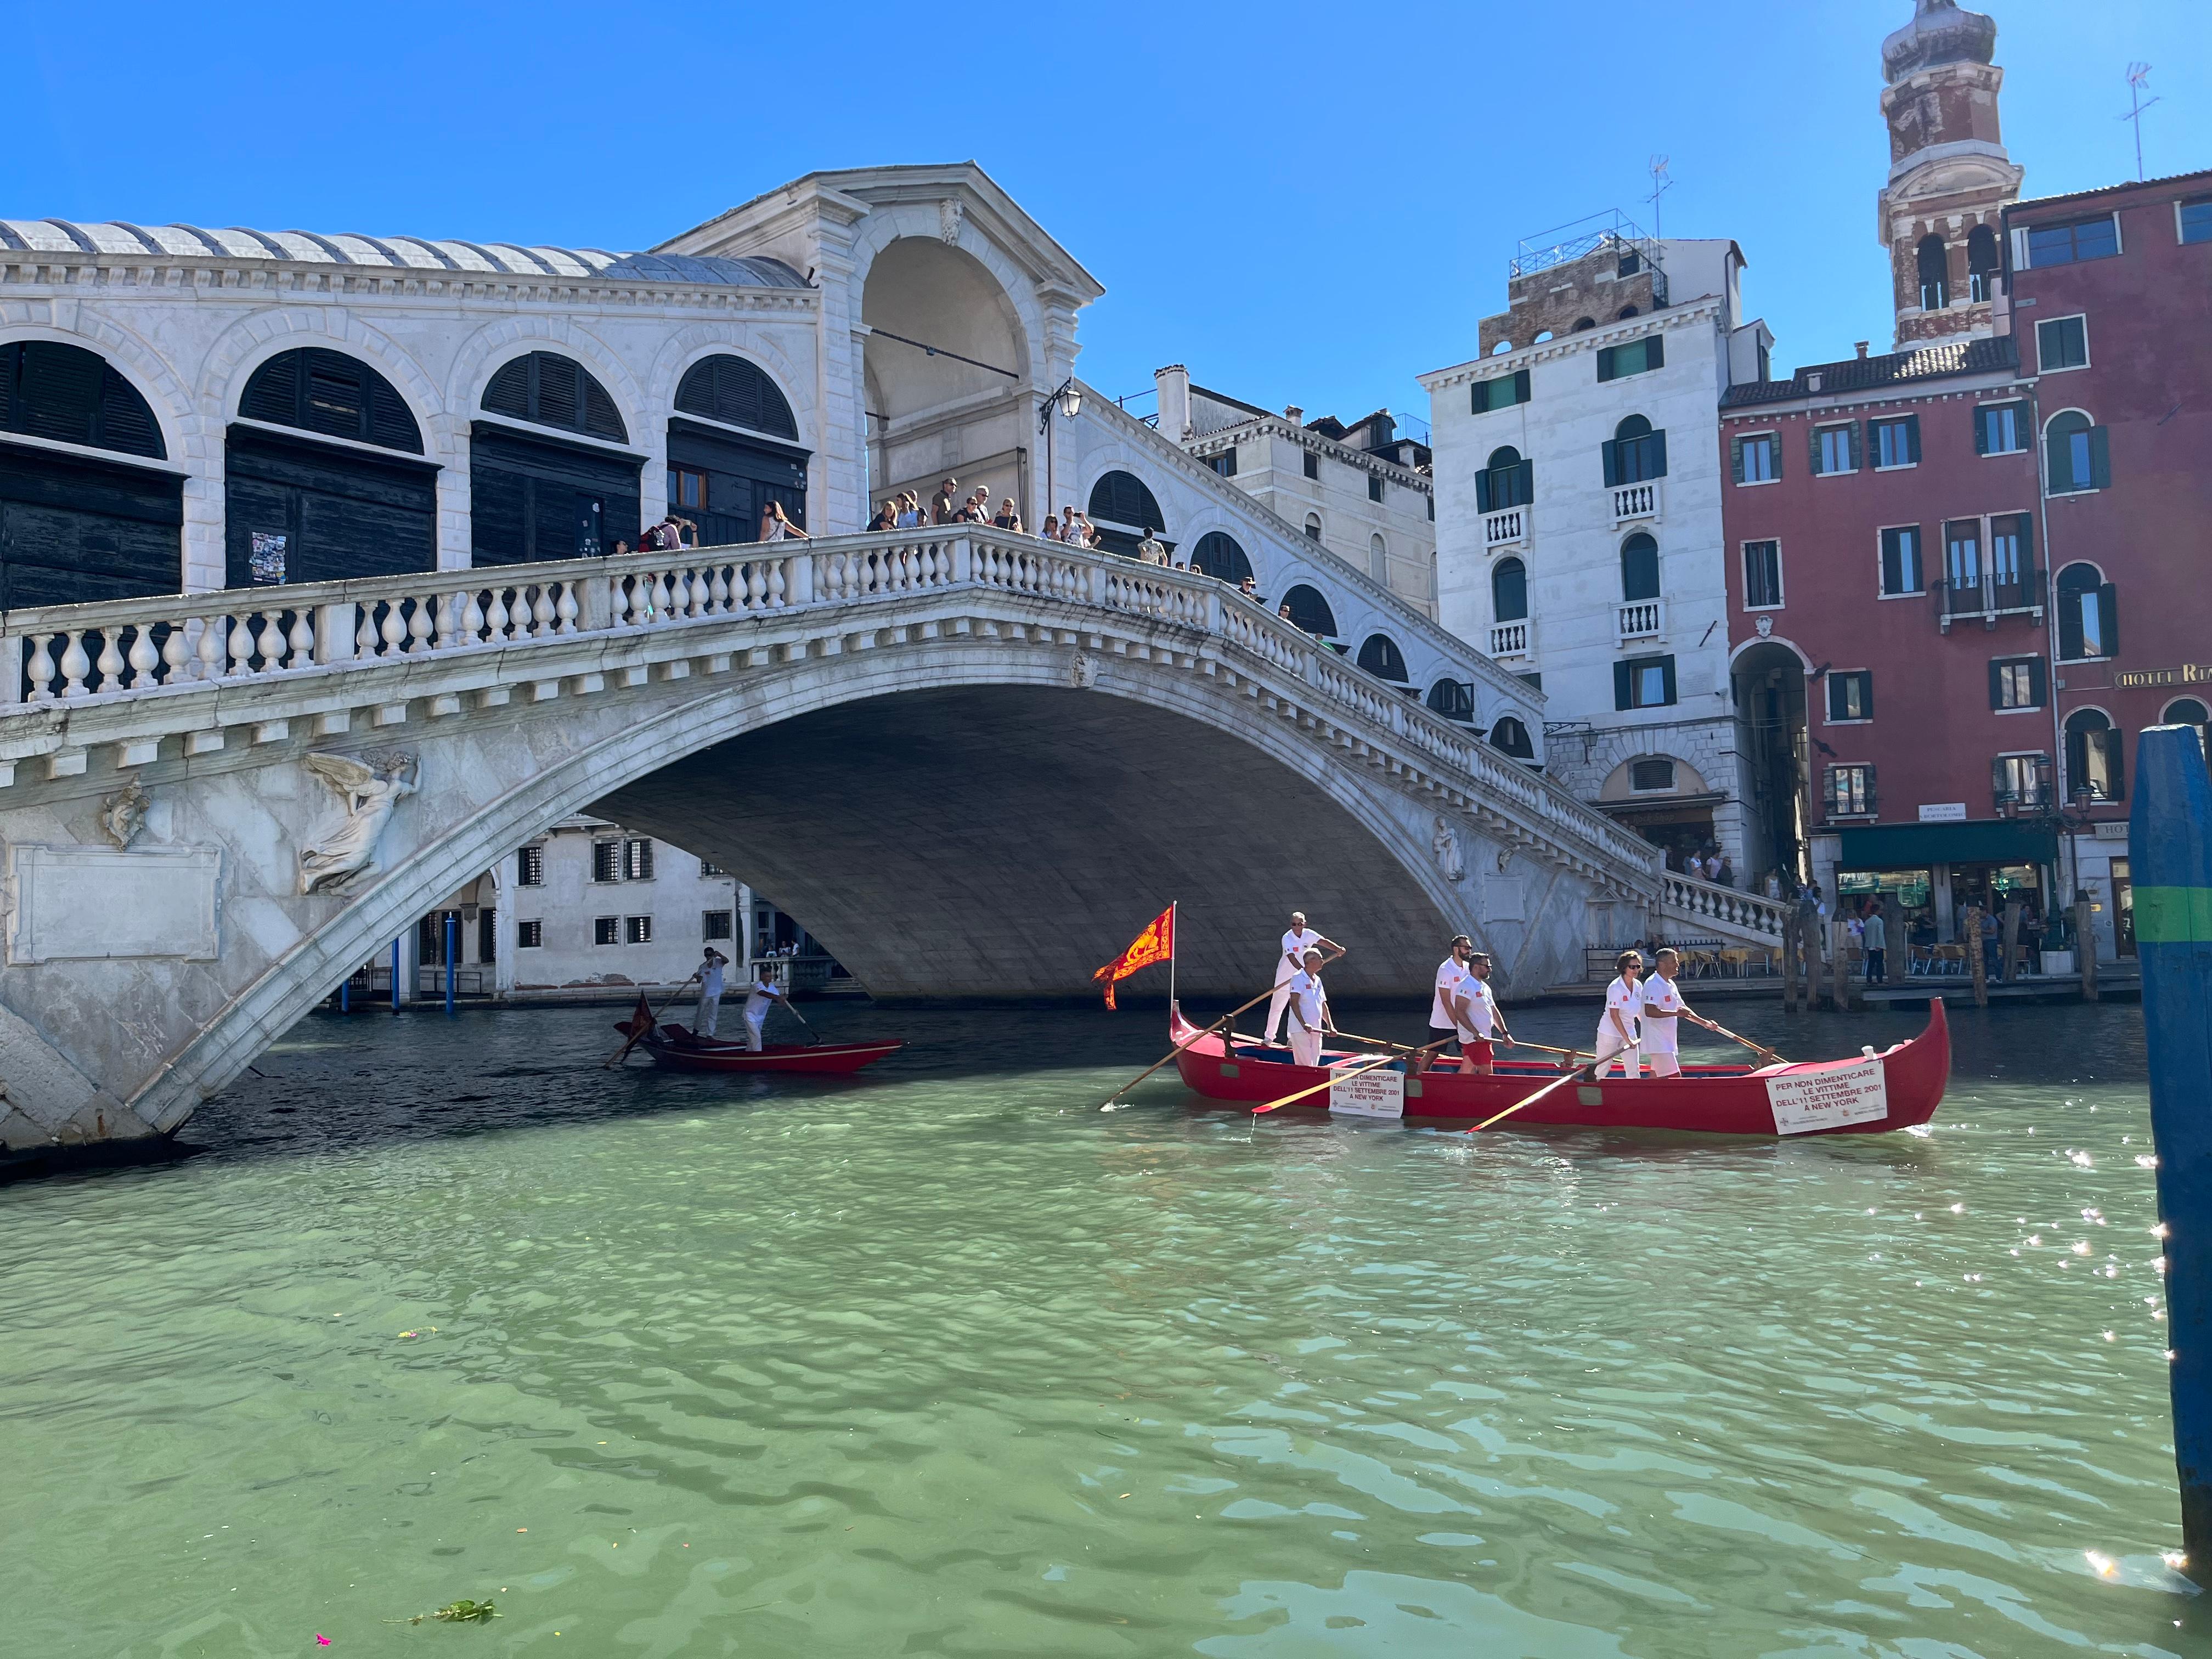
pixel 1661 184
pixel 2138 83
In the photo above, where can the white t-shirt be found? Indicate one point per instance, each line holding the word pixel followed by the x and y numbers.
pixel 1480 1004
pixel 710 978
pixel 758 996
pixel 1300 941
pixel 1627 1000
pixel 1659 999
pixel 1451 978
pixel 1307 999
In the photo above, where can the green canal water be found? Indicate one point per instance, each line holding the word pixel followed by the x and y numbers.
pixel 949 1361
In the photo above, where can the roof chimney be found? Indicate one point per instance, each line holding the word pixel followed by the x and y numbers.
pixel 1294 414
pixel 1173 383
pixel 1861 345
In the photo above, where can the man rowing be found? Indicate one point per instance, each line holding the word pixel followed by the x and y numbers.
pixel 1662 1011
pixel 1616 1027
pixel 1290 961
pixel 1488 1022
pixel 1310 1014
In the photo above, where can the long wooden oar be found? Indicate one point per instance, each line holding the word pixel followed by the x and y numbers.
pixel 1561 1082
pixel 1217 1024
pixel 622 1053
pixel 813 1035
pixel 1376 1042
pixel 1760 1049
pixel 1547 1048
pixel 1335 1077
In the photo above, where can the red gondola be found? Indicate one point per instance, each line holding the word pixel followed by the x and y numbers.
pixel 1898 1089
pixel 681 1049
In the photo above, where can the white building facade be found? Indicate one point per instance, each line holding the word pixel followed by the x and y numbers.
pixel 1578 523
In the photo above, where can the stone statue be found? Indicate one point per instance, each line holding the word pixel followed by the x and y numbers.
pixel 1445 841
pixel 369 793
pixel 123 815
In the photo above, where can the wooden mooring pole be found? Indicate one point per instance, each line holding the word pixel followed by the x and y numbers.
pixel 2170 838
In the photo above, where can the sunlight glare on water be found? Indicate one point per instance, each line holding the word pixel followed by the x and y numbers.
pixel 947 1360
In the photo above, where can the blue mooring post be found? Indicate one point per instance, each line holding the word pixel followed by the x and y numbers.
pixel 2169 841
pixel 452 946
pixel 345 993
pixel 395 976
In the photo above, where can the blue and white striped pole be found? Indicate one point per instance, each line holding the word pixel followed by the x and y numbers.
pixel 2170 846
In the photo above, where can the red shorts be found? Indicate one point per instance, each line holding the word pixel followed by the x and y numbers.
pixel 1477 1050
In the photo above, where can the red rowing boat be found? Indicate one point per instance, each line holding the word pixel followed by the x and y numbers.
pixel 1897 1089
pixel 682 1049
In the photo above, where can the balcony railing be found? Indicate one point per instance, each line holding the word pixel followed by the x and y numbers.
pixel 1991 599
pixel 1512 639
pixel 1636 501
pixel 1642 619
pixel 1505 528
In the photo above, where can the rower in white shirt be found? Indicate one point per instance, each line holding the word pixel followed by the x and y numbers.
pixel 1616 1028
pixel 1310 1014
pixel 1662 1011
pixel 1448 1018
pixel 1289 960
pixel 759 996
pixel 1484 1022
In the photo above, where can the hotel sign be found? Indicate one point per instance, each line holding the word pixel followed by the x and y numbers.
pixel 2189 673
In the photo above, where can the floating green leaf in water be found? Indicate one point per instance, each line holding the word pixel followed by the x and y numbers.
pixel 460 1613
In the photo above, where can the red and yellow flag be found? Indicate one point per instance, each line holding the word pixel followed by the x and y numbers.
pixel 1155 944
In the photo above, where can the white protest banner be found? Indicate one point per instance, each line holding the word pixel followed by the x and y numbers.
pixel 1380 1093
pixel 1806 1101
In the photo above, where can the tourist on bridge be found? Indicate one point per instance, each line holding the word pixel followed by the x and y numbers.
pixel 709 975
pixel 887 517
pixel 1310 1014
pixel 1617 1028
pixel 910 513
pixel 1661 1011
pixel 758 996
pixel 1050 531
pixel 1152 550
pixel 1008 520
pixel 944 507
pixel 775 527
pixel 1290 958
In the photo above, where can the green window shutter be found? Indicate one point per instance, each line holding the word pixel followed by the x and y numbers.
pixel 1520 386
pixel 1605 369
pixel 1774 453
pixel 2108 618
pixel 1912 437
pixel 1659 453
pixel 2055 464
pixel 1655 352
pixel 2039 682
pixel 2100 458
pixel 1812 448
pixel 1622 686
pixel 1482 491
pixel 1667 676
pixel 1996 684
pixel 1474 399
pixel 1857 445
pixel 1866 696
pixel 2116 753
pixel 1982 431
pixel 1736 458
pixel 1528 471
pixel 1611 454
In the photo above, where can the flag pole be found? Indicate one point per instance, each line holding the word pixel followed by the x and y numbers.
pixel 1174 922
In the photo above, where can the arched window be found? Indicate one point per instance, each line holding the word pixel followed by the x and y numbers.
pixel 1313 526
pixel 48 390
pixel 1541 337
pixel 2185 711
pixel 1453 699
pixel 737 393
pixel 2092 756
pixel 1636 454
pixel 2088 613
pixel 1121 498
pixel 1935 274
pixel 1380 656
pixel 547 389
pixel 1624 313
pixel 2075 456
pixel 1378 559
pixel 1507 481
pixel 1501 348
pixel 1309 611
pixel 1981 262
pixel 331 394
pixel 1509 591
pixel 1218 555
pixel 1583 324
pixel 1510 737
pixel 1639 567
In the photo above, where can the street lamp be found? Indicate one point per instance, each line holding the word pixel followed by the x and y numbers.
pixel 1067 396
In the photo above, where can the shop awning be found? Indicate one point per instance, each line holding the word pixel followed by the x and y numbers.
pixel 1915 846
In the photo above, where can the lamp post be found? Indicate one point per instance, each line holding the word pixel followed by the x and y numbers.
pixel 1068 397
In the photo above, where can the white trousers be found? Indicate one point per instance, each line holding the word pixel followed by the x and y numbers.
pixel 710 1014
pixel 1305 1046
pixel 1278 1005
pixel 753 1024
pixel 1610 1044
pixel 1662 1062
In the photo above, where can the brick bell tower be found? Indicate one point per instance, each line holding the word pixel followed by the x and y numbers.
pixel 1949 177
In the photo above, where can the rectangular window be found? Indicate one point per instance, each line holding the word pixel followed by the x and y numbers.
pixel 1657 774
pixel 606 930
pixel 2016 683
pixel 2012 554
pixel 530 866
pixel 1374 487
pixel 2193 219
pixel 607 860
pixel 2062 342
pixel 2021 780
pixel 687 488
pixel 637 930
pixel 707 867
pixel 1224 463
pixel 529 935
pixel 1901 569
pixel 1851 792
pixel 1643 682
pixel 1758 459
pixel 1850 696
pixel 1895 442
pixel 1962 554
pixel 1503 392
pixel 1835 449
pixel 716 924
pixel 1312 463
pixel 2000 429
pixel 637 860
pixel 2078 456
pixel 1617 363
pixel 1762 575
pixel 2065 245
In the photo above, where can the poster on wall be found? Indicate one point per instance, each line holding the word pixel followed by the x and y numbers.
pixel 265 559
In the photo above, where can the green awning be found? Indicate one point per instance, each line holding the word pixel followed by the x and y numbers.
pixel 1914 846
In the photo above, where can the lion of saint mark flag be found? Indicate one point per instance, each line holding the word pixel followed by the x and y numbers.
pixel 1155 944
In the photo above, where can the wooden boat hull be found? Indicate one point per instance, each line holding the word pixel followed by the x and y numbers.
pixel 1729 1100
pixel 677 1048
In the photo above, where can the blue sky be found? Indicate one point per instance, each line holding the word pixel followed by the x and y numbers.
pixel 1304 203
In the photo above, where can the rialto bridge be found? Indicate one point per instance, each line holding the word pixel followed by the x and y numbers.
pixel 972 762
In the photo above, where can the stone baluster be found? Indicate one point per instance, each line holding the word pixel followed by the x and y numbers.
pixel 211 647
pixel 718 595
pixel 756 584
pixel 111 660
pixel 472 618
pixel 175 650
pixel 303 638
pixel 145 659
pixel 41 670
pixel 75 665
pixel 778 588
pixel 419 624
pixel 496 618
pixel 541 612
pixel 449 620
pixel 659 612
pixel 564 610
pixel 240 644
